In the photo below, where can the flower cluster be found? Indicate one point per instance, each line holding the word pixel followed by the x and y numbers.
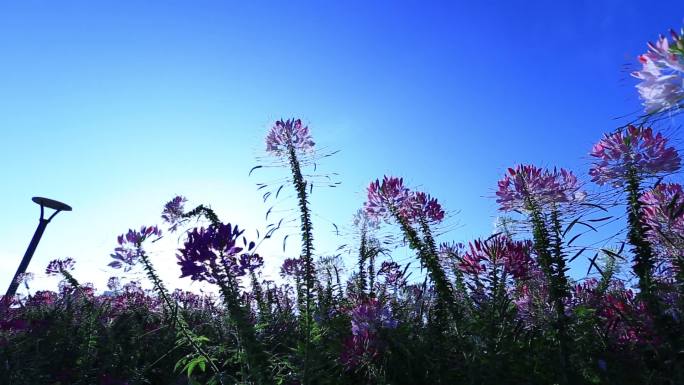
pixel 391 198
pixel 211 253
pixel 451 252
pixel 114 283
pixel 57 266
pixel 393 273
pixel 385 197
pixel 634 150
pixel 423 205
pixel 498 252
pixel 173 212
pixel 662 82
pixel 367 318
pixel 130 246
pixel 531 299
pixel 663 214
pixel 287 133
pixel 623 317
pixel 527 184
pixel 292 267
pixel 370 315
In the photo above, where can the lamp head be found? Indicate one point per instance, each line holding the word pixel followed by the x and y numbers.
pixel 53 204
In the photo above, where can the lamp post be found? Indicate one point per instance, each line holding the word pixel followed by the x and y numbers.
pixel 43 202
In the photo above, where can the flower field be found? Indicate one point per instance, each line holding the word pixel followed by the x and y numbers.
pixel 502 309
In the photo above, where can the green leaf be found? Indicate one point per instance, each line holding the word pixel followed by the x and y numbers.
pixel 190 367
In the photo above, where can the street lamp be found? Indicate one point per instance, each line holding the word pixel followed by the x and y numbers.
pixel 43 202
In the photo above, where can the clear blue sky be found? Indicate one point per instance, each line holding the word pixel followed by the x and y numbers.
pixel 114 107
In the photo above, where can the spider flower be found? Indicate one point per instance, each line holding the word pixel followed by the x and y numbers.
pixel 513 257
pixel 367 319
pixel 662 86
pixel 632 150
pixel 288 133
pixel 390 197
pixel 57 266
pixel 369 316
pixel 114 283
pixel 663 214
pixel 620 313
pixel 448 252
pixel 292 267
pixel 130 246
pixel 423 206
pixel 527 184
pixel 173 212
pixel 393 273
pixel 385 197
pixel 212 253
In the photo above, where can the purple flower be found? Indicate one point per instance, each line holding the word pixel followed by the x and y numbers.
pixel 25 278
pixel 187 299
pixel 250 262
pixel 623 315
pixel 288 133
pixel 130 246
pixel 632 150
pixel 393 273
pixel 114 283
pixel 447 252
pixel 385 197
pixel 662 85
pixel 527 184
pixel 292 267
pixel 369 316
pixel 423 206
pixel 57 266
pixel 391 198
pixel 513 257
pixel 663 215
pixel 208 254
pixel 173 212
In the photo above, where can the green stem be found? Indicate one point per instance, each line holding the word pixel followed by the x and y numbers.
pixel 549 265
pixel 643 254
pixel 180 324
pixel 307 253
pixel 246 337
pixel 363 251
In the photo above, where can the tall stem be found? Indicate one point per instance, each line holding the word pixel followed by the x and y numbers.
pixel 180 323
pixel 643 254
pixel 363 253
pixel 550 267
pixel 427 252
pixel 307 253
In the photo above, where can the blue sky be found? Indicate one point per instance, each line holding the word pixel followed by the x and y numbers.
pixel 115 107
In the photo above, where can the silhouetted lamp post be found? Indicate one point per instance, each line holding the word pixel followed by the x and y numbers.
pixel 43 202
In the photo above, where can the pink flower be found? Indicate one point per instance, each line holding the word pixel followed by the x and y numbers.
pixel 57 266
pixel 287 133
pixel 173 212
pixel 513 257
pixel 385 197
pixel 393 273
pixel 621 315
pixel 422 205
pixel 130 244
pixel 632 150
pixel 527 184
pixel 367 319
pixel 663 215
pixel 662 85
pixel 391 198
pixel 292 267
